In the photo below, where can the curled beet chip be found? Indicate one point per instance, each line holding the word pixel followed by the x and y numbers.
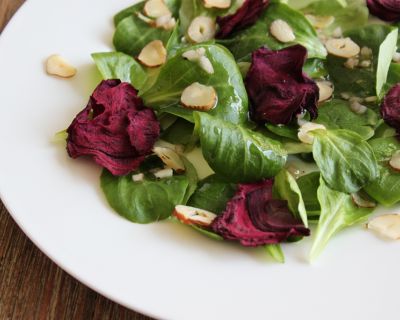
pixel 387 10
pixel 253 218
pixel 245 16
pixel 277 87
pixel 115 128
pixel 390 108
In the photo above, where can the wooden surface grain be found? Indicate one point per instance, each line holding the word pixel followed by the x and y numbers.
pixel 32 286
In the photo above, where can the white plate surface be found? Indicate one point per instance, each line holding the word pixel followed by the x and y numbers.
pixel 163 270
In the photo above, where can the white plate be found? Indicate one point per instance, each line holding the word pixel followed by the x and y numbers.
pixel 163 270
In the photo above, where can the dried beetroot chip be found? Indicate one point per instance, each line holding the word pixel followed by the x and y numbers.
pixel 115 128
pixel 245 16
pixel 387 10
pixel 390 108
pixel 277 87
pixel 252 228
pixel 273 215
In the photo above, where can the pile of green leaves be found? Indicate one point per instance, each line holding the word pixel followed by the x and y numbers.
pixel 349 157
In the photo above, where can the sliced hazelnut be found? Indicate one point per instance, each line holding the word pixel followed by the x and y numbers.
pixel 178 148
pixel 357 107
pixel 220 4
pixel 320 22
pixel 138 177
pixel 170 158
pixel 58 66
pixel 305 129
pixel 337 33
pixel 365 64
pixel 199 97
pixel 366 52
pixel 387 225
pixel 395 161
pixel 325 90
pixel 281 31
pixel 167 22
pixel 371 99
pixel 361 201
pixel 191 215
pixel 163 173
pixel 344 47
pixel 351 63
pixel 201 29
pixel 153 54
pixel 199 56
pixel 156 9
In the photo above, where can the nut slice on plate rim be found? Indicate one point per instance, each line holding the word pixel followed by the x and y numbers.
pixel 153 54
pixel 387 225
pixel 58 66
pixel 199 97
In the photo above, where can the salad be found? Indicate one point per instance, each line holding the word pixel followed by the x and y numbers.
pixel 256 121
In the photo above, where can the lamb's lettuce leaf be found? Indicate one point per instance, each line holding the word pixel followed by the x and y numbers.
pixel 360 82
pixel 338 211
pixel 275 251
pixel 212 194
pixel 244 42
pixel 309 184
pixel 346 161
pixel 237 153
pixel 385 189
pixel 287 188
pixel 149 200
pixel 178 73
pixel 336 114
pixel 117 65
pixel 133 34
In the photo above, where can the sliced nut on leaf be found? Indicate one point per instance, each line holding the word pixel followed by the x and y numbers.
pixel 395 161
pixel 206 65
pixel 164 173
pixel 220 4
pixel 156 9
pixel 138 177
pixel 305 129
pixel 201 29
pixel 281 31
pixel 170 158
pixel 325 90
pixel 199 97
pixel 191 215
pixel 199 56
pixel 153 54
pixel 167 22
pixel 58 66
pixel 320 22
pixel 387 225
pixel 178 148
pixel 357 107
pixel 344 47
pixel 361 201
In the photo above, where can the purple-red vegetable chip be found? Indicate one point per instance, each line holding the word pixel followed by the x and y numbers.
pixel 115 128
pixel 271 214
pixel 245 16
pixel 235 223
pixel 388 10
pixel 390 108
pixel 277 87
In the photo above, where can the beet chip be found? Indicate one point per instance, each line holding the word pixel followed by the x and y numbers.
pixel 245 16
pixel 115 128
pixel 253 218
pixel 390 108
pixel 277 87
pixel 387 10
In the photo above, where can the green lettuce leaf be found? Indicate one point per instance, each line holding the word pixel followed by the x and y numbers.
pixel 286 187
pixel 178 73
pixel 275 251
pixel 336 114
pixel 149 200
pixel 117 65
pixel 337 212
pixel 237 153
pixel 309 184
pixel 244 42
pixel 347 162
pixel 385 189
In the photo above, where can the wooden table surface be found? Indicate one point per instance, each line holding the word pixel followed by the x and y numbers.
pixel 31 285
